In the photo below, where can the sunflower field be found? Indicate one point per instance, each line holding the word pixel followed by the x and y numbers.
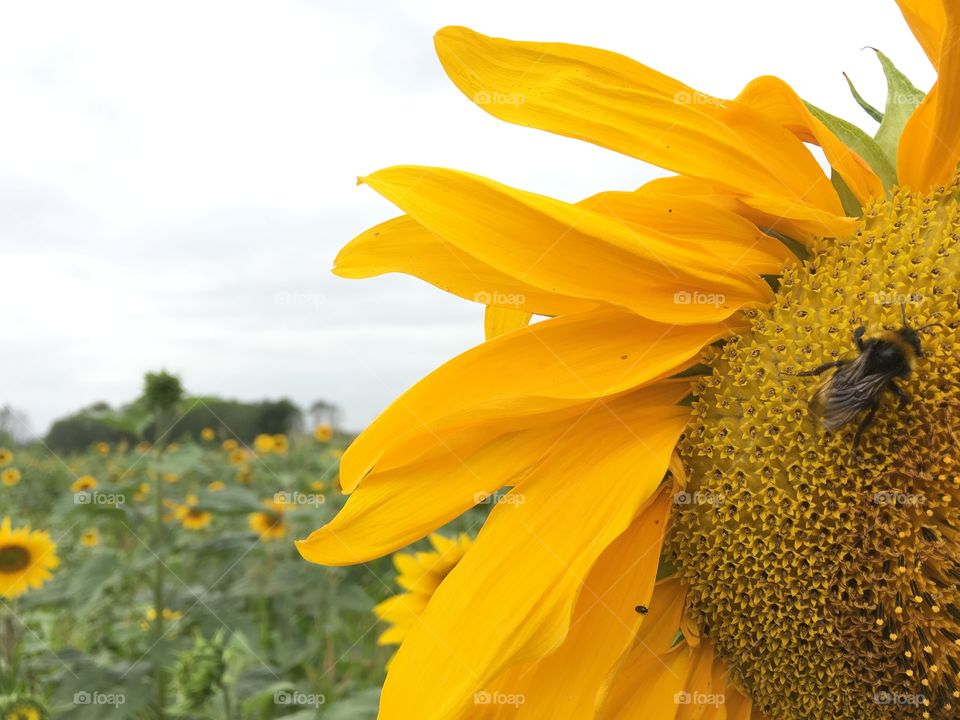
pixel 161 581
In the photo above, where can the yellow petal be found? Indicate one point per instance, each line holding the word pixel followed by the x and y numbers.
pixel 549 365
pixel 501 320
pixel 649 686
pixel 929 148
pixel 575 504
pixel 567 682
pixel 404 245
pixel 567 248
pixel 612 101
pixel 776 100
pixel 927 21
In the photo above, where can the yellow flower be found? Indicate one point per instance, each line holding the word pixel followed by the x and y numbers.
pixel 323 432
pixel 237 456
pixel 216 486
pixel 23 709
pixel 264 443
pixel 10 476
pixel 150 616
pixel 191 516
pixel 419 574
pixel 26 559
pixel 173 447
pixel 142 491
pixel 208 434
pixel 102 448
pixel 318 485
pixel 143 447
pixel 170 478
pixel 90 537
pixel 280 444
pixel 6 457
pixel 670 387
pixel 244 475
pixel 269 524
pixel 230 444
pixel 84 483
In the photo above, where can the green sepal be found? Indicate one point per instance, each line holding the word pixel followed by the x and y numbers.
pixel 851 204
pixel 861 143
pixel 868 108
pixel 902 99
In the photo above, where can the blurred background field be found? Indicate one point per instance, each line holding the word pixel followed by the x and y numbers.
pixel 179 592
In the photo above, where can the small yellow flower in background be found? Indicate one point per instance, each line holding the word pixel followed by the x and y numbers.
pixel 90 537
pixel 150 615
pixel 323 432
pixel 84 483
pixel 190 516
pixel 23 709
pixel 318 485
pixel 143 447
pixel 173 447
pixel 26 559
pixel 6 457
pixel 269 524
pixel 280 444
pixel 216 486
pixel 102 448
pixel 237 456
pixel 230 444
pixel 244 475
pixel 10 476
pixel 419 574
pixel 141 494
pixel 208 434
pixel 170 478
pixel 264 443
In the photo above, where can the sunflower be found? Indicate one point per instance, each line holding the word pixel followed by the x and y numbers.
pixel 6 457
pixel 23 709
pixel 90 537
pixel 237 456
pixel 84 483
pixel 170 478
pixel 269 524
pixel 419 574
pixel 102 448
pixel 208 434
pixel 230 444
pixel 190 515
pixel 280 444
pixel 26 559
pixel 216 486
pixel 323 432
pixel 264 443
pixel 244 475
pixel 657 422
pixel 150 616
pixel 143 490
pixel 10 476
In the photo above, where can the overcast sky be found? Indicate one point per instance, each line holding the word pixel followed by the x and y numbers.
pixel 177 177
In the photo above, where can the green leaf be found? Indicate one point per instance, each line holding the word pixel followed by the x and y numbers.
pixel 902 100
pixel 861 143
pixel 231 500
pixel 870 109
pixel 851 205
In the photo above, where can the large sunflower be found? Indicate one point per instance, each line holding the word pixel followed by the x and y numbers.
pixel 801 577
pixel 26 559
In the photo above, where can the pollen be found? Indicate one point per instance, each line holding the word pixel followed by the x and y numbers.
pixel 829 580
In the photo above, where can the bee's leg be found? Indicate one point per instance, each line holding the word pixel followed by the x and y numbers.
pixel 864 424
pixel 823 368
pixel 899 392
pixel 858 337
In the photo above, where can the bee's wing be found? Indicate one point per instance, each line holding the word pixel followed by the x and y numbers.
pixel 848 391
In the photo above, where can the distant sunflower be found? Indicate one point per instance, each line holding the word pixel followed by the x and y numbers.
pixel 90 537
pixel 216 486
pixel 270 523
pixel 84 483
pixel 10 476
pixel 280 444
pixel 190 515
pixel 323 432
pixel 237 456
pixel 22 709
pixel 230 444
pixel 808 572
pixel 170 478
pixel 150 616
pixel 419 574
pixel 6 457
pixel 264 443
pixel 26 559
pixel 208 434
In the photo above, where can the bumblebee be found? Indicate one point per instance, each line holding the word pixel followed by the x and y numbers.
pixel 858 383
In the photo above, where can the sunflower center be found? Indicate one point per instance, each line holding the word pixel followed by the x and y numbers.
pixel 14 558
pixel 830 579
